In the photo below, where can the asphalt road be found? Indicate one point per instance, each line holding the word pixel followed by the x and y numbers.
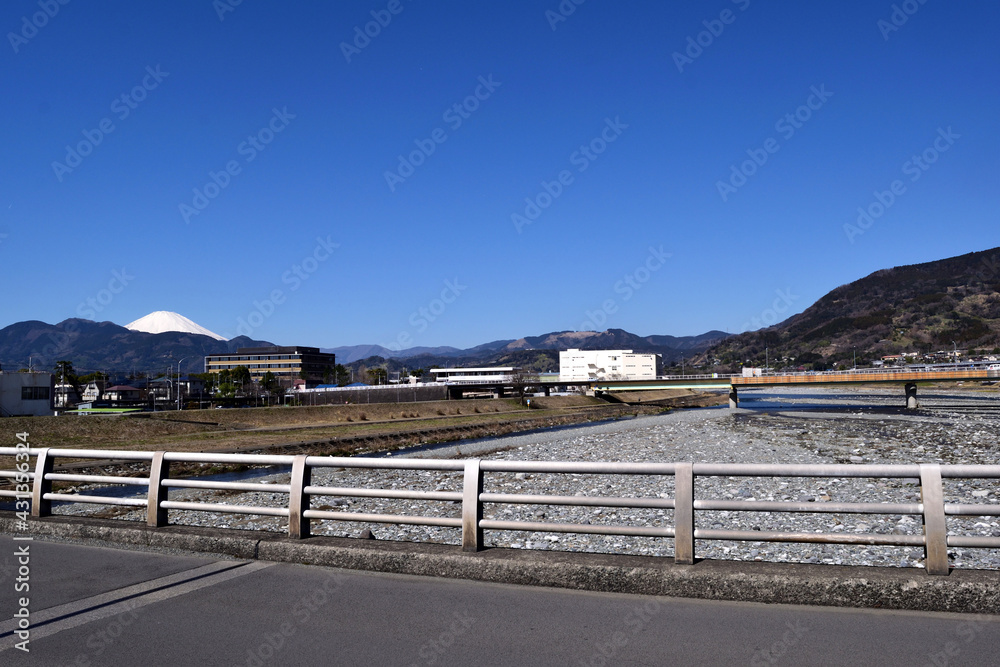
pixel 101 606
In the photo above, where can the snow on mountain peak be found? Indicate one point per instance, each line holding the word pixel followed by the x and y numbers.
pixel 164 320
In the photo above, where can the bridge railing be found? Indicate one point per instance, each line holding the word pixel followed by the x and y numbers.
pixel 33 488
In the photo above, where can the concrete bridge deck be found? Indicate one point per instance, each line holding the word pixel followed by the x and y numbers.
pixel 908 379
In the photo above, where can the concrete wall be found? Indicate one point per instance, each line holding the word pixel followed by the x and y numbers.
pixel 11 390
pixel 379 394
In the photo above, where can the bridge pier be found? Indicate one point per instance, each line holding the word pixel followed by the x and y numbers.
pixel 734 399
pixel 911 396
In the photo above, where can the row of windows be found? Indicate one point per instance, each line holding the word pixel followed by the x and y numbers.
pixel 262 357
pixel 216 367
pixel 34 393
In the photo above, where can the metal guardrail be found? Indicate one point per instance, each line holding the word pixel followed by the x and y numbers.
pixel 36 483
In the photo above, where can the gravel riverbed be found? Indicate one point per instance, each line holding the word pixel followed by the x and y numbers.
pixel 807 425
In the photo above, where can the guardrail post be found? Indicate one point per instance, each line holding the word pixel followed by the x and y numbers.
pixel 472 508
pixel 159 470
pixel 684 514
pixel 298 501
pixel 43 466
pixel 935 526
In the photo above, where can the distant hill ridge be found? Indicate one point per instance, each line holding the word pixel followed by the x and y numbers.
pixel 106 346
pixel 948 303
pixel 920 307
pixel 672 347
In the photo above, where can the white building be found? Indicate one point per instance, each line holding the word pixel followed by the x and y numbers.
pixel 26 394
pixel 606 365
pixel 497 374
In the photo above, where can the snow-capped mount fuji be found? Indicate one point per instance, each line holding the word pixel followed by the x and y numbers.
pixel 162 321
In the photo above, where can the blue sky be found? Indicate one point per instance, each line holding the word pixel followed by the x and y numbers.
pixel 484 170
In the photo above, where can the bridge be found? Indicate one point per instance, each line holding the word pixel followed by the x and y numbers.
pixel 907 378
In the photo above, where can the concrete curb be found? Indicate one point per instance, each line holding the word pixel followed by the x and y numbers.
pixel 975 591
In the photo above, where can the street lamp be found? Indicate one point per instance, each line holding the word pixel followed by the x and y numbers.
pixel 855 358
pixel 179 382
pixel 956 351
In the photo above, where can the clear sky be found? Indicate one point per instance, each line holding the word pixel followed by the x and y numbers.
pixel 471 171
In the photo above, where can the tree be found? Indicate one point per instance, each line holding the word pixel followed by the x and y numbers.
pixel 377 376
pixel 242 378
pixel 521 380
pixel 65 374
pixel 343 375
pixel 270 383
pixel 97 376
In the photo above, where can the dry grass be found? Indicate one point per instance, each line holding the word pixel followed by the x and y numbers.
pixel 206 430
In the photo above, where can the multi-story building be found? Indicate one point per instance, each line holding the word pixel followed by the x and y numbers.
pixel 26 394
pixel 606 365
pixel 498 374
pixel 287 363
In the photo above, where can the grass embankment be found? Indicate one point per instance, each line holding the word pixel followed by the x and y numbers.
pixel 253 428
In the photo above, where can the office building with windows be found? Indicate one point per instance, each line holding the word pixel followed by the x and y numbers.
pixel 287 363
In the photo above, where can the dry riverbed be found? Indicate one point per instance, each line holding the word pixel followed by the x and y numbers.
pixel 805 425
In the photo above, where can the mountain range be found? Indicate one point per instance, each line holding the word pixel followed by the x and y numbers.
pixel 106 346
pixel 672 347
pixel 940 305
pixel 948 303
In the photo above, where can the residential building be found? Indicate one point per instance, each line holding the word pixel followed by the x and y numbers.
pixel 287 363
pixel 26 394
pixel 575 365
pixel 122 395
pixel 92 392
pixel 66 396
